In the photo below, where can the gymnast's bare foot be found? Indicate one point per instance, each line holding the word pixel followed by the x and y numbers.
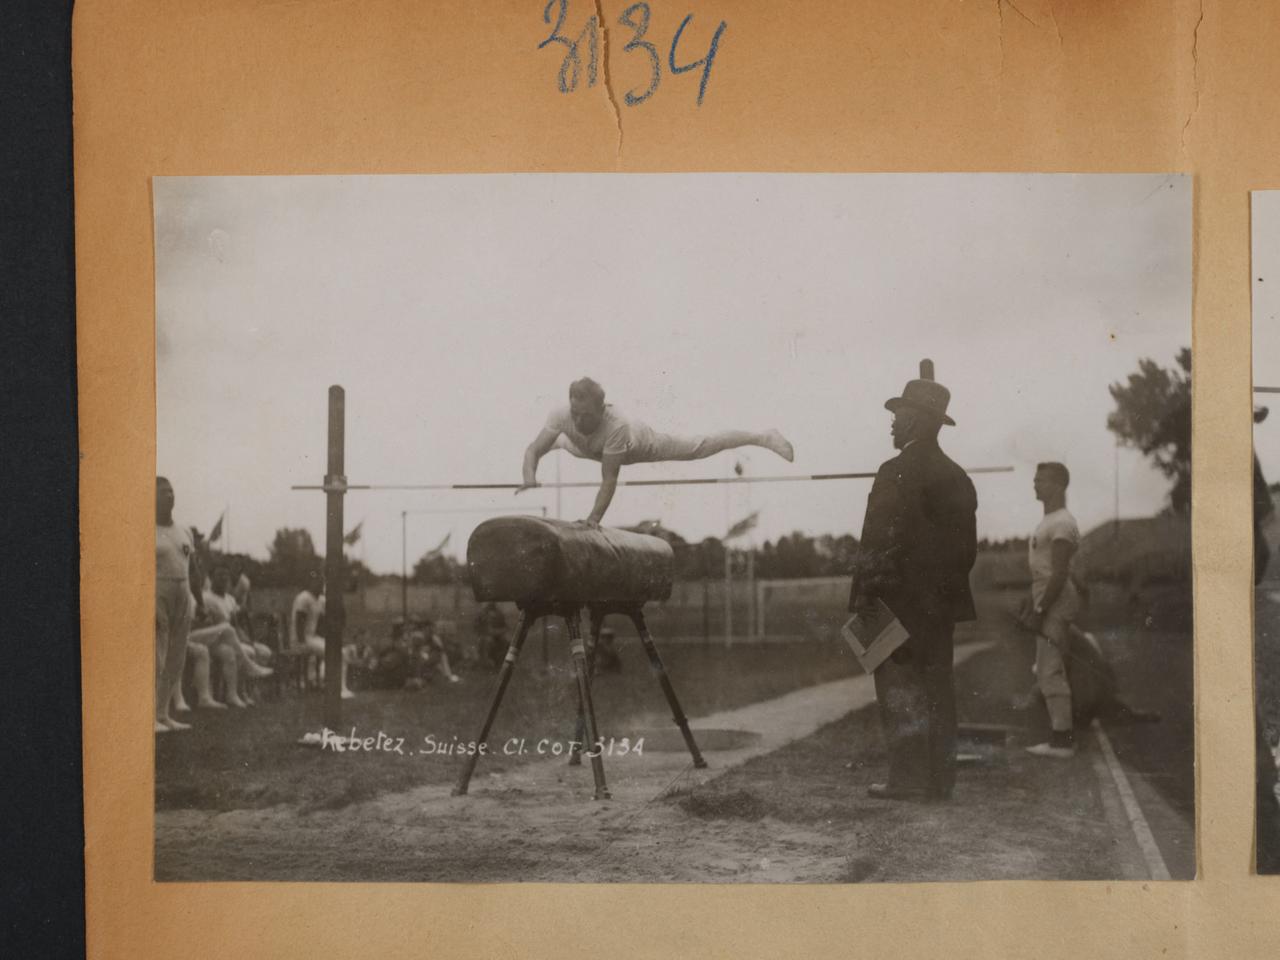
pixel 775 441
pixel 173 724
pixel 208 703
pixel 233 700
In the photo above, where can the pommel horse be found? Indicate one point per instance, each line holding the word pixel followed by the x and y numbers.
pixel 553 568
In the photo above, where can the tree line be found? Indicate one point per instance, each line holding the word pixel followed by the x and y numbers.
pixel 1152 414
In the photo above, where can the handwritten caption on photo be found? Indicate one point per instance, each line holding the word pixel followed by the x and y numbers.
pixel 636 19
pixel 381 742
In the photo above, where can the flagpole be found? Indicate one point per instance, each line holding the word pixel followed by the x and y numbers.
pixel 751 555
pixel 728 570
pixel 728 595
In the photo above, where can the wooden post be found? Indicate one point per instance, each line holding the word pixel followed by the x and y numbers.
pixel 761 587
pixel 728 595
pixel 404 568
pixel 335 485
pixel 706 603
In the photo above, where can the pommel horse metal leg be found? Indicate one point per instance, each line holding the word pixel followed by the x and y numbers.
pixel 504 677
pixel 583 673
pixel 580 728
pixel 655 663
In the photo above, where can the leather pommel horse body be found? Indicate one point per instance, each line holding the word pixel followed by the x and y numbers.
pixel 554 568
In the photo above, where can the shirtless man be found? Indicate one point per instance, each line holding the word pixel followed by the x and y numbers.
pixel 175 604
pixel 594 430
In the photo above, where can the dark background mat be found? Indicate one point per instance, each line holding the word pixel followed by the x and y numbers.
pixel 41 822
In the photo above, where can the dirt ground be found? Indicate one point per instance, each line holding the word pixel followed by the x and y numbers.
pixel 233 760
pixel 797 812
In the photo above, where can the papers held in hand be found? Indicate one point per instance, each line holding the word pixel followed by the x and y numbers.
pixel 874 637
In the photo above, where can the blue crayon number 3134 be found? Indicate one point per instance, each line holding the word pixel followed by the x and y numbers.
pixel 636 19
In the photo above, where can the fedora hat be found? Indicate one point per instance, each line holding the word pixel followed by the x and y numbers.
pixel 925 395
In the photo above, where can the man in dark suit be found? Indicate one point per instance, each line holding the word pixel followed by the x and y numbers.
pixel 919 541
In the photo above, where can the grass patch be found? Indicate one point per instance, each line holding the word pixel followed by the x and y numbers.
pixel 735 804
pixel 251 759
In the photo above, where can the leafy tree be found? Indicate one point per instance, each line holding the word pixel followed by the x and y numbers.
pixel 435 567
pixel 293 559
pixel 707 559
pixel 1010 545
pixel 1153 414
pixel 357 573
pixel 795 555
pixel 835 554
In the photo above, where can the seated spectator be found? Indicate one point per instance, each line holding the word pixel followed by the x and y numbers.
pixel 198 654
pixel 430 654
pixel 605 658
pixel 222 608
pixel 304 622
pixel 243 619
pixel 491 631
pixel 391 668
pixel 361 661
pixel 222 645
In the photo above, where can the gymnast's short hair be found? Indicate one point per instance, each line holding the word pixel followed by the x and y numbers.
pixel 587 389
pixel 1056 470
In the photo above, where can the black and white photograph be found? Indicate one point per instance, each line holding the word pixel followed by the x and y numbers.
pixel 1265 209
pixel 693 528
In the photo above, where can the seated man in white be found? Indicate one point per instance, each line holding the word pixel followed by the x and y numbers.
pixel 221 608
pixel 201 653
pixel 304 622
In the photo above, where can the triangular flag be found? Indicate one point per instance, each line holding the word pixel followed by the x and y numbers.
pixel 440 547
pixel 744 525
pixel 216 533
pixel 353 536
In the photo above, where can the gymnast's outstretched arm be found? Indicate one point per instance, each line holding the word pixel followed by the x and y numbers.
pixel 610 467
pixel 541 446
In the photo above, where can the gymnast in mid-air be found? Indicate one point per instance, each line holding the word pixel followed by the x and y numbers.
pixel 594 430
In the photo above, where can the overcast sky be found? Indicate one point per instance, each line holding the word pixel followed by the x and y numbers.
pixel 1266 324
pixel 455 310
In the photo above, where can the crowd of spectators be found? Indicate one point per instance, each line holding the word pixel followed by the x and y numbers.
pixel 214 651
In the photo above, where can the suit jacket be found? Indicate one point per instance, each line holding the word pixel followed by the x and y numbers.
pixel 1263 506
pixel 919 539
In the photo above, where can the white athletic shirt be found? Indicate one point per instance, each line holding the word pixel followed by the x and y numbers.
pixel 308 604
pixel 1058 525
pixel 220 609
pixel 173 551
pixel 617 435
